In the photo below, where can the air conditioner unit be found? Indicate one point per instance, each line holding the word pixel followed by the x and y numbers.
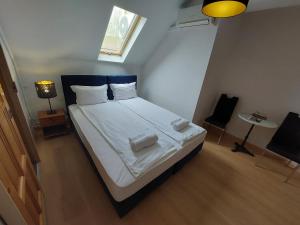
pixel 193 23
pixel 191 16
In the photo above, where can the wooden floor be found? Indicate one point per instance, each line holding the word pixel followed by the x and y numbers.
pixel 217 187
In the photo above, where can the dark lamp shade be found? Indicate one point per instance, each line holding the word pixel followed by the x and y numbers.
pixel 45 89
pixel 224 8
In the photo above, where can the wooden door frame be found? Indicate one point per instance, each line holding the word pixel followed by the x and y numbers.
pixel 12 98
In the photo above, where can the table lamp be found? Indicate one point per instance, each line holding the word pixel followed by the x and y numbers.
pixel 46 89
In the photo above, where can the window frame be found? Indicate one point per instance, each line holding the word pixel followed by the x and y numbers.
pixel 132 29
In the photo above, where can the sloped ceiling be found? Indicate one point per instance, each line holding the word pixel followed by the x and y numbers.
pixel 42 30
pixel 53 37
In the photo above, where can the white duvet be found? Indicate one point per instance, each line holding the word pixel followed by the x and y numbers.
pixel 117 123
pixel 162 119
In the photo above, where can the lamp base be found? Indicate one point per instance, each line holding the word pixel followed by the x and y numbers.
pixel 49 112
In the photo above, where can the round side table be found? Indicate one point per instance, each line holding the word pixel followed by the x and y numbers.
pixel 249 119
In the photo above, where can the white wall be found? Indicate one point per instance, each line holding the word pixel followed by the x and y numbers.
pixel 173 76
pixel 13 72
pixel 256 57
pixel 53 37
pixel 209 94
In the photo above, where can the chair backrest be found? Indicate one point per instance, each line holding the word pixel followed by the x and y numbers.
pixel 288 134
pixel 225 108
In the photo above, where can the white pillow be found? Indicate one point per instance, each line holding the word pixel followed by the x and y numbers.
pixel 90 95
pixel 123 91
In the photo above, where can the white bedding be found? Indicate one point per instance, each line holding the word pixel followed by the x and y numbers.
pixel 118 179
pixel 117 124
pixel 162 119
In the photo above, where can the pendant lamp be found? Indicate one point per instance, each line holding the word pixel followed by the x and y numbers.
pixel 224 8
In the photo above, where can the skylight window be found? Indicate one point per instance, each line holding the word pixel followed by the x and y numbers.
pixel 122 30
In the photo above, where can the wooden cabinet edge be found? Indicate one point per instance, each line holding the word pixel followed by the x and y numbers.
pixel 22 188
pixel 42 204
pixel 14 195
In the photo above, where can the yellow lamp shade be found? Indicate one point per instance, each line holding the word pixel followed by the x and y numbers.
pixel 224 8
pixel 45 89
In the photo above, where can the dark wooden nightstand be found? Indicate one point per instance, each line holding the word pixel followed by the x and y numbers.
pixel 53 124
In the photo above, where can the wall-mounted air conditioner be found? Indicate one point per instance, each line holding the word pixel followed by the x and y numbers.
pixel 191 16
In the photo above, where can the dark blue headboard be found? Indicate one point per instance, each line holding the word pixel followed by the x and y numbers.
pixel 91 80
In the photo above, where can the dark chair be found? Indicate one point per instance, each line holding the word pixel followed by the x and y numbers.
pixel 222 113
pixel 286 140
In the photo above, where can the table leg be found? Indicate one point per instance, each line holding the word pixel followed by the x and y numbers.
pixel 241 147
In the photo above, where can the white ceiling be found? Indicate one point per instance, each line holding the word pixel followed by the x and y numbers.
pixel 44 30
pixel 256 5
pixel 40 31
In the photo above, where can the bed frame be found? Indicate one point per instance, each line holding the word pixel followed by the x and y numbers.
pixel 126 205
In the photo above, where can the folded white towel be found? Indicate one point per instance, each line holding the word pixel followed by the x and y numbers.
pixel 141 141
pixel 180 124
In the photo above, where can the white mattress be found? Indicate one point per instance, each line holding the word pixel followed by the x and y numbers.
pixel 117 124
pixel 161 119
pixel 120 182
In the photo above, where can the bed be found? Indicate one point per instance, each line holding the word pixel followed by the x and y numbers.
pixel 124 189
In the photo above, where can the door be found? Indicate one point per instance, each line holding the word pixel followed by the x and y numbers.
pixel 10 89
pixel 16 170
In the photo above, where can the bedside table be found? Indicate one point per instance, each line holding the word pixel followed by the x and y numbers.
pixel 53 124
